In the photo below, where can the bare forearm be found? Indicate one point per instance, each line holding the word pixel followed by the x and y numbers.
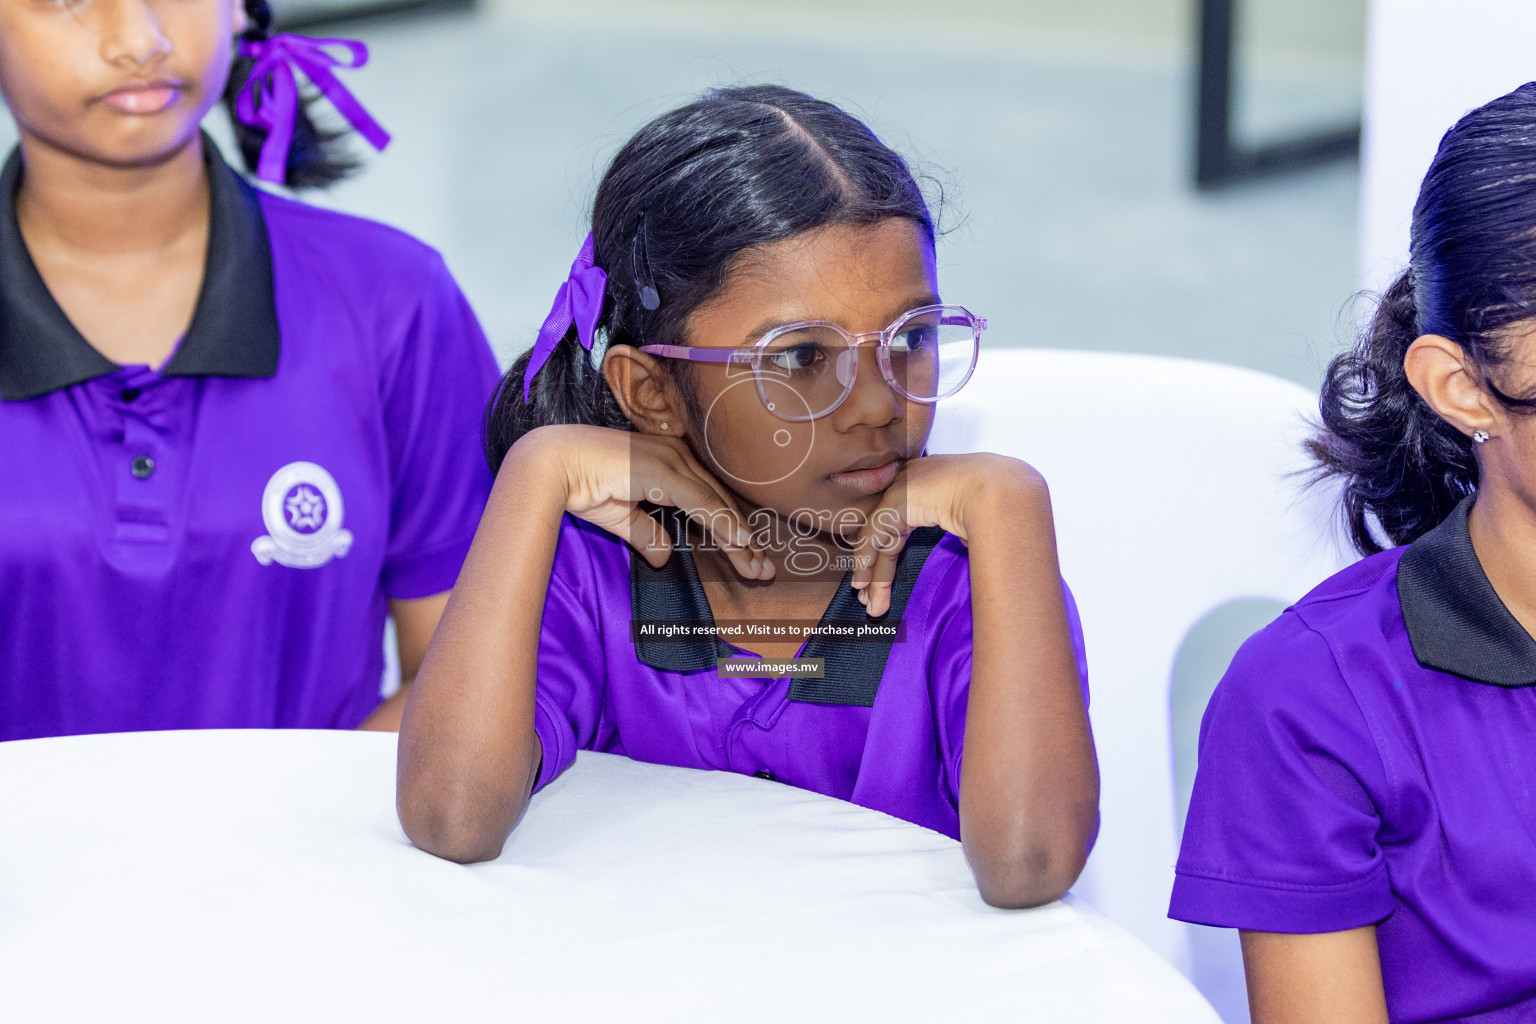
pixel 1029 787
pixel 415 619
pixel 386 717
pixel 467 748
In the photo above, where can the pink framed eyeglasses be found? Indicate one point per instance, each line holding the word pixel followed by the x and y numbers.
pixel 805 370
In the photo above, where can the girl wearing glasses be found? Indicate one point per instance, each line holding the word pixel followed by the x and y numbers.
pixel 737 383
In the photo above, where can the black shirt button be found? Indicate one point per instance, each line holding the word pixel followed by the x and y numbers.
pixel 129 394
pixel 765 774
pixel 143 467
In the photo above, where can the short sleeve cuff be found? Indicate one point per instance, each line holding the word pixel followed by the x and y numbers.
pixel 1224 903
pixel 425 573
pixel 555 740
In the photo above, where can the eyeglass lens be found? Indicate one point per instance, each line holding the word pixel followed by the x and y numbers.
pixel 806 372
pixel 932 354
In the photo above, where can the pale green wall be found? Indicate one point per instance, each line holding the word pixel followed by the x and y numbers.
pixel 1328 30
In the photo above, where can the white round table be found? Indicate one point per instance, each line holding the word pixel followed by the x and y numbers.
pixel 233 876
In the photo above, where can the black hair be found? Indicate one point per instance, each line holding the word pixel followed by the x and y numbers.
pixel 681 203
pixel 317 157
pixel 1471 277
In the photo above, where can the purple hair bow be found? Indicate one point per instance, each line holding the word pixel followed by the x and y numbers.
pixel 579 301
pixel 270 97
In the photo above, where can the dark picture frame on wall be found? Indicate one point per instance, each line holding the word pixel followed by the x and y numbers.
pixel 307 15
pixel 1220 159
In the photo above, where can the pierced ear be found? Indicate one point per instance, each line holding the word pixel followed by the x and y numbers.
pixel 1444 376
pixel 642 391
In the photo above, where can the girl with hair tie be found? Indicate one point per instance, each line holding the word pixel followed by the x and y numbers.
pixel 238 431
pixel 1364 807
pixel 719 436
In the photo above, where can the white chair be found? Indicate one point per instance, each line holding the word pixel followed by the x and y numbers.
pixel 1176 489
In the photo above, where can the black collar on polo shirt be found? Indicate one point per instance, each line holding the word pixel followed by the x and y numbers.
pixel 1456 621
pixel 234 325
pixel 853 669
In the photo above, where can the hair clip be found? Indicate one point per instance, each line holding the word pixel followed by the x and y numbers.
pixel 644 283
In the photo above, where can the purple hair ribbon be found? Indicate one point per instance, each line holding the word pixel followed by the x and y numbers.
pixel 270 96
pixel 579 301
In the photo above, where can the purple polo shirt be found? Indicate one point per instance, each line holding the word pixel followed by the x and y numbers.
pixel 884 729
pixel 1370 758
pixel 212 545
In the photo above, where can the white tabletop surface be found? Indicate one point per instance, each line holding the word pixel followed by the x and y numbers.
pixel 233 876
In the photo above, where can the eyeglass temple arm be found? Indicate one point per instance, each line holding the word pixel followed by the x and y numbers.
pixel 979 322
pixel 698 355
pixel 732 355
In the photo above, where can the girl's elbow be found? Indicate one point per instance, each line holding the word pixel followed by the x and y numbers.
pixel 1029 870
pixel 1030 880
pixel 465 848
pixel 461 836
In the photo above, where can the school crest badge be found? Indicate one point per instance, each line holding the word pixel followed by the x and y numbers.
pixel 302 510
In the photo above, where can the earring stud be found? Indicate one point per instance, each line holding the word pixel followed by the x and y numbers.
pixel 1481 436
pixel 665 425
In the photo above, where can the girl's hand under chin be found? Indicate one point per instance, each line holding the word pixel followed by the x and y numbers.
pixel 960 494
pixel 602 475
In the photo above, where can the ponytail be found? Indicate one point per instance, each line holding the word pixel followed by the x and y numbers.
pixel 1399 461
pixel 317 157
pixel 567 389
pixel 1472 280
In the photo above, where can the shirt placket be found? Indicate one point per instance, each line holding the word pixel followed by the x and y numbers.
pixel 759 715
pixel 141 470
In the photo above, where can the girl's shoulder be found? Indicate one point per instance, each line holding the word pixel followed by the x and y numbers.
pixel 349 246
pixel 1339 644
pixel 1357 603
pixel 1356 583
pixel 337 276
